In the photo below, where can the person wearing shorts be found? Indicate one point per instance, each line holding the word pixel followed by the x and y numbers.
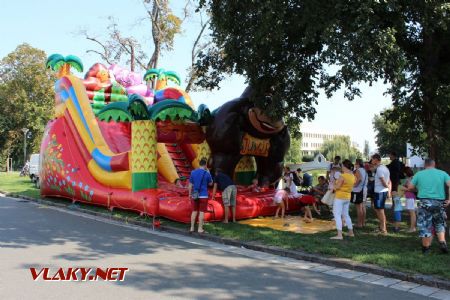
pixel 305 201
pixel 430 184
pixel 381 191
pixel 229 191
pixel 410 200
pixel 359 193
pixel 279 198
pixel 198 193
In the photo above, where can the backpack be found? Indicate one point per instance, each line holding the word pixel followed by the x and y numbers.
pixel 307 180
pixel 296 179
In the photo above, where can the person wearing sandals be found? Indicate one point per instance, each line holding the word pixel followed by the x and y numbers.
pixel 382 183
pixel 343 189
pixel 198 193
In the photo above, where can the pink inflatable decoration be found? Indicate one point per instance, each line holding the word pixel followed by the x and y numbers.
pixel 132 81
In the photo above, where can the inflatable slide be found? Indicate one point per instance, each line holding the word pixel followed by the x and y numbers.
pixel 116 141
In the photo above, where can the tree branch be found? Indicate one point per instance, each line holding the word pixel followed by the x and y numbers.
pixel 106 53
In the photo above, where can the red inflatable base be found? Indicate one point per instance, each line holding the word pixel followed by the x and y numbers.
pixel 64 173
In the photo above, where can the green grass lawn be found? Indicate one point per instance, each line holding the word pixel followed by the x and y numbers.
pixel 399 251
pixel 13 183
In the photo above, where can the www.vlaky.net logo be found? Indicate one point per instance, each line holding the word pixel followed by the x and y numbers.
pixel 79 274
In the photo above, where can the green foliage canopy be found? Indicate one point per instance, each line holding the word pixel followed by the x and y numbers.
pixel 340 145
pixel 292 49
pixel 389 136
pixel 294 154
pixel 26 101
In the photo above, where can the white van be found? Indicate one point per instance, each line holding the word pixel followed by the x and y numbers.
pixel 34 167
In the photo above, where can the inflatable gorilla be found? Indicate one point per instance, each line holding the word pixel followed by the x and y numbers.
pixel 239 128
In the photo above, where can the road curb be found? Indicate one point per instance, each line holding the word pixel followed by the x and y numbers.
pixel 295 254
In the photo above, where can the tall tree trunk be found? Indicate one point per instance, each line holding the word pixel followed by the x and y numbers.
pixel 429 90
pixel 430 131
pixel 156 35
pixel 132 58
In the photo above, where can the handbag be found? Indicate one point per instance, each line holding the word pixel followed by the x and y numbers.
pixel 328 198
pixel 196 193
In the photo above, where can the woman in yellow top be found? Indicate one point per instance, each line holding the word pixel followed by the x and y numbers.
pixel 343 189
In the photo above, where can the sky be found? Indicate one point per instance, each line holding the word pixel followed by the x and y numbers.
pixel 54 27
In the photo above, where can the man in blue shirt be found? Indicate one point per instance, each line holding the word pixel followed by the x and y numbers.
pixel 430 184
pixel 229 191
pixel 198 193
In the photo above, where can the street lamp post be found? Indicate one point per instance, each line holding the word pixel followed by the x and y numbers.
pixel 25 131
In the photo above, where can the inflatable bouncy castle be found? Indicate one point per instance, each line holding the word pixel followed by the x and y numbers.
pixel 122 140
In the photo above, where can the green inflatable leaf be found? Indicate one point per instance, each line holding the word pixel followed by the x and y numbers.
pixel 173 76
pixel 58 65
pixel 114 115
pixel 171 110
pixel 152 73
pixel 137 107
pixel 53 59
pixel 75 62
pixel 117 111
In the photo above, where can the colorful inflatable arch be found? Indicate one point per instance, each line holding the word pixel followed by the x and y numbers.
pixel 110 147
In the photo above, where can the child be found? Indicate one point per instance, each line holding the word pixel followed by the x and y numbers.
pixel 410 200
pixel 254 186
pixel 334 175
pixel 397 202
pixel 305 201
pixel 319 191
pixel 280 197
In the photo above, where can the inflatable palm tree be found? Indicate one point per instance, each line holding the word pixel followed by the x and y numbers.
pixel 62 64
pixel 161 77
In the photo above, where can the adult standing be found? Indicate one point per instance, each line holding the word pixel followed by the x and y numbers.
pixel 430 184
pixel 359 192
pixel 343 188
pixel 198 193
pixel 229 191
pixel 381 189
pixel 395 170
pixel 334 166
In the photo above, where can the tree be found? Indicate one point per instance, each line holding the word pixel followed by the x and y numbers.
pixel 198 46
pixel 118 45
pixel 294 155
pixel 389 136
pixel 340 145
pixel 289 50
pixel 366 150
pixel 26 99
pixel 164 27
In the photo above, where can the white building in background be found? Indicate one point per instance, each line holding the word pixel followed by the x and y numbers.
pixel 413 161
pixel 313 139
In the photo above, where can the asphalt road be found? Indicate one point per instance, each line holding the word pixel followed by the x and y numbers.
pixel 161 266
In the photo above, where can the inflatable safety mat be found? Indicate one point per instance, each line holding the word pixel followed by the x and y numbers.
pixel 292 223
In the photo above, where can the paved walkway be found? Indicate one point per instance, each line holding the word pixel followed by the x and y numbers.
pixel 164 265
